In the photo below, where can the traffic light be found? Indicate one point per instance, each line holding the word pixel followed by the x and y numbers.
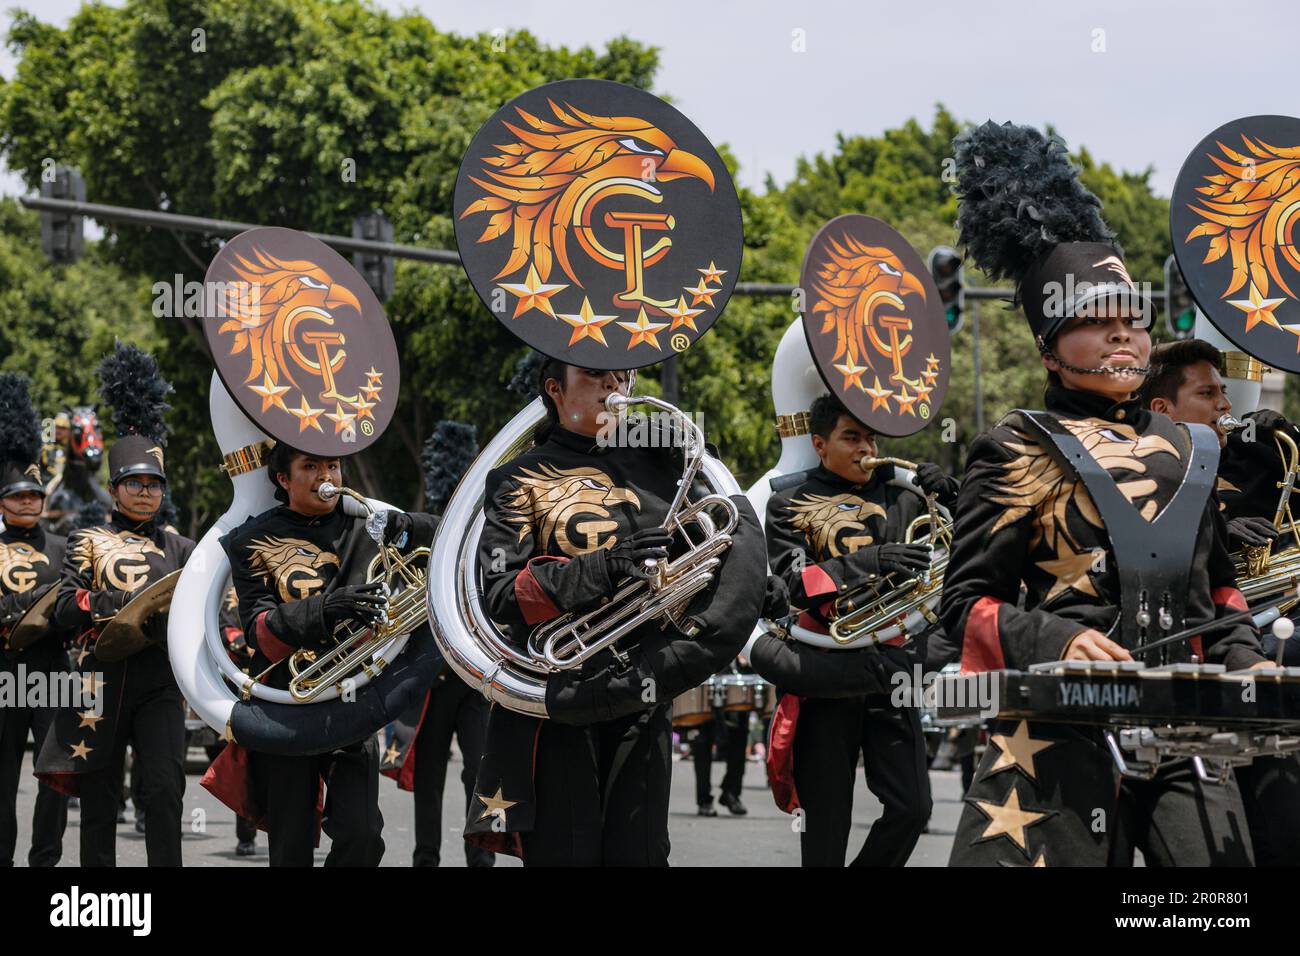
pixel 380 272
pixel 950 276
pixel 1180 309
pixel 61 234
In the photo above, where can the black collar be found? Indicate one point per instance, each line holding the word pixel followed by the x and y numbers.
pixel 308 521
pixel 879 476
pixel 34 534
pixel 121 522
pixel 1073 403
pixel 585 444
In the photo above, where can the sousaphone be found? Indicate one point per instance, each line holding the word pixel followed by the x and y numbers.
pixel 304 354
pixel 600 226
pixel 873 333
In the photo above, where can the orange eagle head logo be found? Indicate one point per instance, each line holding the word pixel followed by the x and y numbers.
pixel 546 182
pixel 1250 210
pixel 270 299
pixel 851 286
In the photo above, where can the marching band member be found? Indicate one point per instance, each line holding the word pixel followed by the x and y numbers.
pixel 731 731
pixel 839 528
pixel 300 571
pixel 103 567
pixel 1049 794
pixel 567 523
pixel 30 559
pixel 1185 383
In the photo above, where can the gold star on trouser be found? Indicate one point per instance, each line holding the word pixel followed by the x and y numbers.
pixel 89 719
pixel 494 804
pixel 81 750
pixel 390 755
pixel 1008 820
pixel 1018 750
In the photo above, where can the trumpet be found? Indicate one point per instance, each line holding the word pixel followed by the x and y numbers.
pixel 359 646
pixel 1263 572
pixel 880 611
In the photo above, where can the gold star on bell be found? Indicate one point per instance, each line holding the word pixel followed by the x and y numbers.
pixel 494 804
pixel 643 330
pixel 81 751
pixel 390 755
pixel 372 391
pixel 363 407
pixel 906 403
pixel 89 719
pixel 340 418
pixel 1070 571
pixel 270 393
pixel 683 315
pixel 923 391
pixel 879 396
pixel 1257 308
pixel 307 416
pixel 701 293
pixel 533 294
pixel 931 363
pixel 1008 820
pixel 587 324
pixel 852 373
pixel 712 273
pixel 1018 750
pixel 372 376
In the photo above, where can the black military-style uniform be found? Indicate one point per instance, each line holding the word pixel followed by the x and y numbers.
pixel 30 561
pixel 1249 475
pixel 835 704
pixel 141 702
pixel 1049 794
pixel 289 562
pixel 590 786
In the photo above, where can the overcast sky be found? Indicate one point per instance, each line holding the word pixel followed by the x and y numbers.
pixel 1138 83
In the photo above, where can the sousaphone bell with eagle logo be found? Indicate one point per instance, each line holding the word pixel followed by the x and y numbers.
pixel 601 228
pixel 304 355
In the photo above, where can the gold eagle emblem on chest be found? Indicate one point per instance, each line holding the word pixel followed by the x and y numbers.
pixel 115 559
pixel 573 504
pixel 292 564
pixel 18 562
pixel 832 522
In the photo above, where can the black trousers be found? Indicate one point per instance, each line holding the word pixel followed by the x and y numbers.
pixel 153 720
pixel 50 814
pixel 602 793
pixel 454 707
pixel 1062 802
pixel 288 788
pixel 1270 792
pixel 828 738
pixel 734 730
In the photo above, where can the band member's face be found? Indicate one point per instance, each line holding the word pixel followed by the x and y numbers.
pixel 306 474
pixel 23 509
pixel 138 497
pixel 1201 399
pixel 581 400
pixel 1102 341
pixel 849 443
pixel 61 434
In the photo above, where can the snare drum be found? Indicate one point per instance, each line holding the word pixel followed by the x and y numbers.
pixel 693 707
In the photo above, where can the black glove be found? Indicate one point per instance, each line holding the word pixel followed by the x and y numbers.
pixel 399 523
pixel 625 559
pixel 1266 419
pixel 363 603
pixel 776 600
pixel 881 559
pixel 933 480
pixel 1249 532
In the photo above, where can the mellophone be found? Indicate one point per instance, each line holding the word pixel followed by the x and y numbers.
pixel 1149 714
pixel 730 693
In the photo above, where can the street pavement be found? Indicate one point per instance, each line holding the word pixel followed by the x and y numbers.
pixel 765 837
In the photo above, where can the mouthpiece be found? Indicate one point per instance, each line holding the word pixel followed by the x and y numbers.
pixel 1229 424
pixel 327 491
pixel 615 400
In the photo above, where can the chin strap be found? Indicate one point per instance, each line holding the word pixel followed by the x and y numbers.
pixel 1046 351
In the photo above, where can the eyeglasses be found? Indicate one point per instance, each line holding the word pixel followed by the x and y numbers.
pixel 135 486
